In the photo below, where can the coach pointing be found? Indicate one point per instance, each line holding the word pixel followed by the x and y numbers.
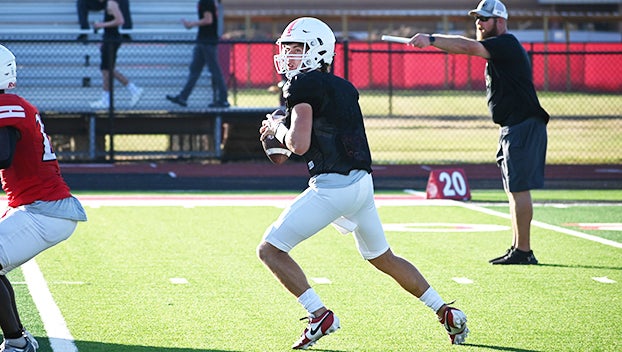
pixel 514 106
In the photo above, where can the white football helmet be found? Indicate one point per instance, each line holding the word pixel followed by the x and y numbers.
pixel 8 76
pixel 319 46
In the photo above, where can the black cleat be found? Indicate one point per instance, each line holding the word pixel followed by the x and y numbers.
pixel 502 256
pixel 516 256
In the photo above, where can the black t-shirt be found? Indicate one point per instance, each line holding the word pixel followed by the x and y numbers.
pixel 110 33
pixel 509 82
pixel 208 34
pixel 338 140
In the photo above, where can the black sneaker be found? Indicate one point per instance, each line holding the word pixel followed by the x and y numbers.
pixel 82 38
pixel 519 257
pixel 177 100
pixel 219 104
pixel 502 256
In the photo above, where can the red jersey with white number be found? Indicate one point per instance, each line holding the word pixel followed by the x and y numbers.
pixel 34 173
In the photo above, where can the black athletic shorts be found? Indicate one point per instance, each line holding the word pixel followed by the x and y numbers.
pixel 521 155
pixel 109 54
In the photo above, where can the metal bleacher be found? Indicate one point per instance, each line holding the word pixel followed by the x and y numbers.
pixel 61 76
pixel 59 16
pixel 42 34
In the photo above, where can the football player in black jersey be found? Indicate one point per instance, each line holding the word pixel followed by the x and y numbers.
pixel 324 125
pixel 514 106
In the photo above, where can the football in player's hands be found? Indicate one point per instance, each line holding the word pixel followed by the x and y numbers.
pixel 276 151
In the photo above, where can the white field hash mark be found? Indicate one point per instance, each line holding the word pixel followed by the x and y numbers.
pixel 55 326
pixel 604 280
pixel 462 280
pixel 178 281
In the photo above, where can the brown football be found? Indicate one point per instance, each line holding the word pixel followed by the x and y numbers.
pixel 276 151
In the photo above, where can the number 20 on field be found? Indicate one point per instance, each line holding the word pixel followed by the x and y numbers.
pixel 448 184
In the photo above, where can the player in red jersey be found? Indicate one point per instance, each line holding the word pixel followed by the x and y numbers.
pixel 41 210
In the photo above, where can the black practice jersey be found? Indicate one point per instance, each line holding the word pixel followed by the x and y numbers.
pixel 110 33
pixel 338 140
pixel 509 82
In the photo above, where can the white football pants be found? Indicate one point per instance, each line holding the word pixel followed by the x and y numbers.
pixel 317 207
pixel 23 235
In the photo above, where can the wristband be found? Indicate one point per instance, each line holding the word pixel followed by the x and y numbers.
pixel 280 133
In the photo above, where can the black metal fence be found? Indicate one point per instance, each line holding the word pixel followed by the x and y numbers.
pixel 423 107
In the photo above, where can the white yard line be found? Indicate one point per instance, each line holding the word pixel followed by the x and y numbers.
pixel 283 201
pixel 543 225
pixel 55 326
pixel 535 222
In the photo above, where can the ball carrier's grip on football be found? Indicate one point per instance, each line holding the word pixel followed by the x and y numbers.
pixel 276 119
pixel 273 146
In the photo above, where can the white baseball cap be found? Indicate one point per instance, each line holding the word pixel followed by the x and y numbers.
pixel 490 8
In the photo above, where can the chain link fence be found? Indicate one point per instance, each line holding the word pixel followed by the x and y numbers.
pixel 420 106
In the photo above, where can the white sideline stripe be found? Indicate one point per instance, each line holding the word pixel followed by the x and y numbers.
pixel 55 326
pixel 543 225
pixel 248 202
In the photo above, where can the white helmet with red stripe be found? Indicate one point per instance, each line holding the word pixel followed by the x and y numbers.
pixel 8 76
pixel 319 46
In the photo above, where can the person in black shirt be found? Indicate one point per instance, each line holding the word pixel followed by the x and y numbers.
pixel 515 107
pixel 113 18
pixel 84 6
pixel 324 124
pixel 205 53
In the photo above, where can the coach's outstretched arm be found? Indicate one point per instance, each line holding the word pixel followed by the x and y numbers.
pixel 453 44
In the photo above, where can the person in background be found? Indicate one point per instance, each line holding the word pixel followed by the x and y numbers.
pixel 324 124
pixel 205 53
pixel 113 18
pixel 41 210
pixel 515 107
pixel 84 6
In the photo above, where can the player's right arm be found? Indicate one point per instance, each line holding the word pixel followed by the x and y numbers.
pixel 453 44
pixel 298 139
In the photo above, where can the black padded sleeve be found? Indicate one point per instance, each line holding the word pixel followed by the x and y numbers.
pixel 8 140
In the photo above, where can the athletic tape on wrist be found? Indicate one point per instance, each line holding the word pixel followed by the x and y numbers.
pixel 280 132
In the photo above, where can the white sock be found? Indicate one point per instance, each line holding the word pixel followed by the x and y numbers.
pixel 431 299
pixel 132 88
pixel 310 301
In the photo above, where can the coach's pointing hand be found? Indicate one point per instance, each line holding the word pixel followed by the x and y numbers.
pixel 420 40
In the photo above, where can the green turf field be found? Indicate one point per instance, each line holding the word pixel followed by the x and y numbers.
pixel 149 278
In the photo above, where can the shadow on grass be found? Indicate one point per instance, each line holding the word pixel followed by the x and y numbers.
pixel 94 346
pixel 580 266
pixel 499 348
